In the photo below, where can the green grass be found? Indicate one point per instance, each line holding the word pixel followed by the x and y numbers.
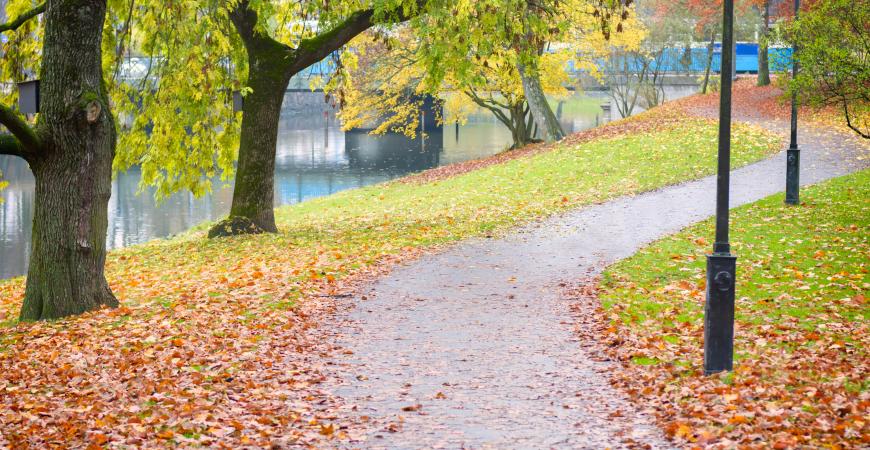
pixel 801 265
pixel 800 328
pixel 193 302
pixel 329 237
pixel 579 105
pixel 505 194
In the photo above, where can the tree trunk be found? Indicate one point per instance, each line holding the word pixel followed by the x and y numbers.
pixel 271 64
pixel 252 210
pixel 763 63
pixel 547 122
pixel 520 131
pixel 72 167
pixel 709 62
pixel 253 195
pixel 512 114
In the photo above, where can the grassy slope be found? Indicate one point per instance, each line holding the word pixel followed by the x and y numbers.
pixel 386 218
pixel 191 306
pixel 801 340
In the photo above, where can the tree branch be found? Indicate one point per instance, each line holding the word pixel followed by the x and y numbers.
pixel 10 146
pixel 29 142
pixel 849 122
pixel 494 109
pixel 20 20
pixel 314 49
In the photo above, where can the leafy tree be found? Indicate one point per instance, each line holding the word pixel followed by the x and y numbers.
pixel 457 37
pixel 383 80
pixel 70 150
pixel 379 83
pixel 763 41
pixel 833 49
pixel 176 119
pixel 171 124
pixel 271 63
pixel 705 17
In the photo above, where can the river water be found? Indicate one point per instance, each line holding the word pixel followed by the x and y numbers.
pixel 314 158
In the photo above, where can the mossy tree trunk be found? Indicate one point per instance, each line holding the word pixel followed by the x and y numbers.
pixel 763 61
pixel 271 64
pixel 70 153
pixel 268 76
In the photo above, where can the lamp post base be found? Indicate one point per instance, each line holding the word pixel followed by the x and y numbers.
pixel 792 176
pixel 719 313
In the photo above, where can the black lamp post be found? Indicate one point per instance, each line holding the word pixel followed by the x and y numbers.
pixel 721 264
pixel 793 154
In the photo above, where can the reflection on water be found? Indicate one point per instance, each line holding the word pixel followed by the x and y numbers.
pixel 314 158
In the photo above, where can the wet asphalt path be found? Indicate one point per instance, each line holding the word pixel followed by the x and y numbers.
pixel 479 337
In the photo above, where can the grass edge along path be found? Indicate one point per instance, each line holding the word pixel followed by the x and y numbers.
pixel 801 345
pixel 211 344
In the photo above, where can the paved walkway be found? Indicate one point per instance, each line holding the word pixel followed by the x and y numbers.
pixel 473 347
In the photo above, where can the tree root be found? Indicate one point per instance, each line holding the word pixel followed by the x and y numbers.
pixel 234 226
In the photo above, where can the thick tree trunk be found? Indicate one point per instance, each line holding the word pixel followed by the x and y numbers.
pixel 763 63
pixel 271 64
pixel 543 115
pixel 253 195
pixel 269 72
pixel 73 167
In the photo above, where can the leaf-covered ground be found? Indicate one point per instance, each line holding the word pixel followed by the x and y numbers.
pixel 751 102
pixel 801 362
pixel 215 343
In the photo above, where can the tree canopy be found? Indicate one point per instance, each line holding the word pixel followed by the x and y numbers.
pixel 833 49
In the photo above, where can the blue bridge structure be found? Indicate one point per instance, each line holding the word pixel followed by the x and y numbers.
pixel 694 59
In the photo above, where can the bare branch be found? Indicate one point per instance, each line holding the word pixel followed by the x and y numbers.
pixel 854 127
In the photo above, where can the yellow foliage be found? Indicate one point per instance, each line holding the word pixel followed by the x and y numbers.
pixel 381 79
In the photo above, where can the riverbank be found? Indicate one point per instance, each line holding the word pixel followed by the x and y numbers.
pixel 212 343
pixel 801 338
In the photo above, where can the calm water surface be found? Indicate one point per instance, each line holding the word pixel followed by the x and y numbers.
pixel 314 158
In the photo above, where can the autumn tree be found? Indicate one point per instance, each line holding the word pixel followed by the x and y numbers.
pixel 763 44
pixel 832 38
pixel 184 136
pixel 459 36
pixel 271 63
pixel 385 75
pixel 69 149
pixel 538 23
pixel 382 84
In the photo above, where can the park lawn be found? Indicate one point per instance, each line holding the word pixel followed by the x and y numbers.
pixel 205 320
pixel 802 369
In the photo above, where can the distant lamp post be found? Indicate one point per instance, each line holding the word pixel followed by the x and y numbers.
pixel 793 154
pixel 28 97
pixel 238 102
pixel 721 264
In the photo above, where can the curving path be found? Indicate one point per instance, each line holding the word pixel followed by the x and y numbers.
pixel 473 347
